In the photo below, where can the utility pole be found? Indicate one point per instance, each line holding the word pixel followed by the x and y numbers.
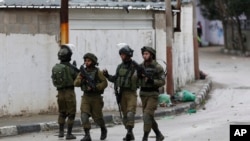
pixel 64 22
pixel 169 56
pixel 196 48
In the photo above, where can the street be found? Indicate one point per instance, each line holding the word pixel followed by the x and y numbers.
pixel 228 102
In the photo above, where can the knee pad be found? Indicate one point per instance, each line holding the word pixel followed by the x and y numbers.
pixel 131 116
pixel 147 119
pixel 84 118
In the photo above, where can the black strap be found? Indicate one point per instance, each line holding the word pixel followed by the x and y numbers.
pixel 126 75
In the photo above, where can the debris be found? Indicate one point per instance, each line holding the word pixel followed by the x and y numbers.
pixel 190 111
pixel 164 100
pixel 185 96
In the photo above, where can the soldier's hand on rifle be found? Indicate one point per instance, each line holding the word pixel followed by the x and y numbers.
pixel 82 76
pixel 89 88
pixel 105 73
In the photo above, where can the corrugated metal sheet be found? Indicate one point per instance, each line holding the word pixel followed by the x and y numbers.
pixel 104 4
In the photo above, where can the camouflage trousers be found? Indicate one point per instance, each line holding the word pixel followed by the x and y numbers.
pixel 92 106
pixel 128 107
pixel 149 105
pixel 66 101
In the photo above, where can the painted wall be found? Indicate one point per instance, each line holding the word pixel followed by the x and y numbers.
pixel 29 46
pixel 183 60
pixel 28 43
pixel 99 32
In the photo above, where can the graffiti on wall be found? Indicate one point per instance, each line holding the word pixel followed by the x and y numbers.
pixel 214 27
pixel 216 30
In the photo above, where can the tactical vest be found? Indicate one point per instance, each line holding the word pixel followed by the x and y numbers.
pixel 125 78
pixel 152 72
pixel 93 74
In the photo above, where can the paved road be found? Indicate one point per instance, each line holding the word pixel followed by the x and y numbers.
pixel 228 102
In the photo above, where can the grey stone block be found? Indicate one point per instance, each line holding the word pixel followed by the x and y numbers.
pixel 28 128
pixel 8 131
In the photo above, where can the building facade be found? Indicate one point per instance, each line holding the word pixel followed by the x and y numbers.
pixel 30 35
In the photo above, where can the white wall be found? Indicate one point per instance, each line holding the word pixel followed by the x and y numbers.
pixel 184 62
pixel 103 44
pixel 183 57
pixel 99 31
pixel 26 60
pixel 25 68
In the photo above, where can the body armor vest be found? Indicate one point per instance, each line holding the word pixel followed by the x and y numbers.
pixel 125 77
pixel 94 75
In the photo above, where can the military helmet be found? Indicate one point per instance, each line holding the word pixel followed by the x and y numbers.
pixel 91 56
pixel 65 53
pixel 125 49
pixel 149 49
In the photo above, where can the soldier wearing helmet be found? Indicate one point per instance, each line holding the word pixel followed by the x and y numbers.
pixel 65 53
pixel 63 76
pixel 125 79
pixel 92 99
pixel 149 91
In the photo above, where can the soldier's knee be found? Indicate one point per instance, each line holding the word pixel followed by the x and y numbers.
pixel 84 118
pixel 130 116
pixel 147 119
pixel 63 114
pixel 72 116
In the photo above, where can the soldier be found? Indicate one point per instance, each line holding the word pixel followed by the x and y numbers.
pixel 149 84
pixel 92 100
pixel 126 78
pixel 63 76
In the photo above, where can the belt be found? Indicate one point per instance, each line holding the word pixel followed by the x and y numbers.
pixel 148 89
pixel 66 88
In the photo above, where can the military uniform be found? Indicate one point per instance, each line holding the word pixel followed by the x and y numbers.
pixel 92 100
pixel 126 80
pixel 149 94
pixel 66 98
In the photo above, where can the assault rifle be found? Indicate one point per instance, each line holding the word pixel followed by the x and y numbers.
pixel 90 81
pixel 74 67
pixel 141 70
pixel 118 99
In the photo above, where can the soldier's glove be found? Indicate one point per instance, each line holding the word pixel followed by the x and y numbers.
pixel 74 63
pixel 150 81
pixel 106 73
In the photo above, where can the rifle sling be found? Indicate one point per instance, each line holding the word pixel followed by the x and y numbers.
pixel 126 75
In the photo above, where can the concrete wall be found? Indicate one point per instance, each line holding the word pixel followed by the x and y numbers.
pixel 183 60
pixel 28 43
pixel 99 31
pixel 212 30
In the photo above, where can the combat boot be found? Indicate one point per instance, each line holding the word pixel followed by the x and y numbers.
pixel 132 138
pixel 61 131
pixel 159 136
pixel 69 135
pixel 145 136
pixel 104 132
pixel 130 135
pixel 87 135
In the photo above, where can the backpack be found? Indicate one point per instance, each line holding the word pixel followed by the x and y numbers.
pixel 61 76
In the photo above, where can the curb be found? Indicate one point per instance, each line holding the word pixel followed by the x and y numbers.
pixel 109 119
